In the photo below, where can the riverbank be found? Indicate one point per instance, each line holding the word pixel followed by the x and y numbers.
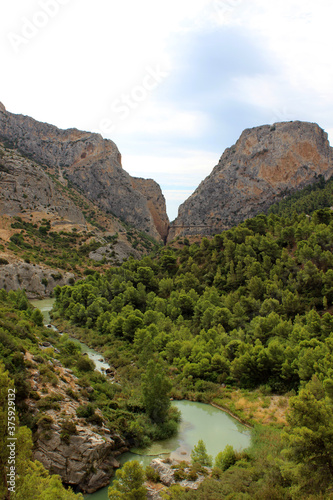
pixel 248 407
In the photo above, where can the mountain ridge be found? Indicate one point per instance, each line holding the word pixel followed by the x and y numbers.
pixel 93 166
pixel 263 166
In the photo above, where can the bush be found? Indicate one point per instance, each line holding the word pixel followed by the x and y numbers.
pixel 68 429
pixel 85 364
pixel 85 411
pixel 45 422
pixel 225 458
pixel 152 474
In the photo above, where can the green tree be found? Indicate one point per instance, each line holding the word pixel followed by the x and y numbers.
pixel 225 458
pixel 199 455
pixel 155 392
pixel 37 317
pixel 310 440
pixel 129 483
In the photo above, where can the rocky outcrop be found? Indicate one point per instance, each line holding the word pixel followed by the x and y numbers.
pixel 37 281
pixel 92 165
pixel 86 461
pixel 167 472
pixel 26 187
pixel 114 253
pixel 264 165
pixel 156 203
pixel 82 453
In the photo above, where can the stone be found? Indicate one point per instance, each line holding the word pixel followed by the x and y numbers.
pixel 32 278
pixel 92 165
pixel 266 164
pixel 165 472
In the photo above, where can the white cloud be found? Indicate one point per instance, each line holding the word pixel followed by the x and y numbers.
pixel 90 53
pixel 178 175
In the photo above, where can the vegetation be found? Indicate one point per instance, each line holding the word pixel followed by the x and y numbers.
pixel 242 320
pixel 199 455
pixel 248 310
pixel 68 250
pixel 129 483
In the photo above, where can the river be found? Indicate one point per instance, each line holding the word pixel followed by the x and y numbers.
pixel 199 421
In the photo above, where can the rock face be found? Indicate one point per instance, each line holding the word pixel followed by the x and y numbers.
pixel 86 461
pixel 93 166
pixel 37 281
pixel 156 203
pixel 114 253
pixel 24 186
pixel 83 457
pixel 264 165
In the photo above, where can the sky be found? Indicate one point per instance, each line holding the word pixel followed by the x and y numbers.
pixel 172 83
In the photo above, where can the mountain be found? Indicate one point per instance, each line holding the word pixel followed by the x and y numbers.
pixel 90 164
pixel 265 165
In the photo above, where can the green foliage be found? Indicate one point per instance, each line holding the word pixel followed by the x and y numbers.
pixel 199 455
pixel 128 484
pixel 152 474
pixel 309 440
pixel 225 458
pixel 248 307
pixel 155 392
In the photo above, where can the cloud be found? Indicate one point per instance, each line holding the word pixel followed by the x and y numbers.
pixel 232 64
pixel 178 172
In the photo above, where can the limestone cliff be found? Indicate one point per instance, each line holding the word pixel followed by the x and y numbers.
pixel 26 188
pixel 92 165
pixel 264 165
pixel 156 203
pixel 85 457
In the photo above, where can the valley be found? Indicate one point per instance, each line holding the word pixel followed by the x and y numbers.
pixel 229 307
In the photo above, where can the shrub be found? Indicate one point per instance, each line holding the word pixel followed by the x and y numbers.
pixel 152 474
pixel 85 411
pixel 45 422
pixel 225 458
pixel 68 427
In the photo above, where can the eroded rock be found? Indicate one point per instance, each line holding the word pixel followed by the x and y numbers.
pixel 266 164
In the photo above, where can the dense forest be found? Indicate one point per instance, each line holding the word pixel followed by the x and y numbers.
pixel 246 312
pixel 249 309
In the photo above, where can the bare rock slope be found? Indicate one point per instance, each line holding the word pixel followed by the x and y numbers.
pixel 264 165
pixel 93 166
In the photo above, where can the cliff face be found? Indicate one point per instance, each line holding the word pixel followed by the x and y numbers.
pixel 264 165
pixel 86 459
pixel 155 202
pixel 93 166
pixel 25 186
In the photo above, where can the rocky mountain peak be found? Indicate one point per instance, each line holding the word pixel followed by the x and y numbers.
pixel 266 164
pixel 93 166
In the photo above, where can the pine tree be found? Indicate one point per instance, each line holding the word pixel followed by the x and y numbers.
pixel 199 455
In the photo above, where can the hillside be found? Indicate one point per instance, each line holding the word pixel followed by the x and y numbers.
pixel 48 226
pixel 266 164
pixel 92 165
pixel 241 321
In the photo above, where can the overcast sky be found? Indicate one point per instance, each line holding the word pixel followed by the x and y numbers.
pixel 172 83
